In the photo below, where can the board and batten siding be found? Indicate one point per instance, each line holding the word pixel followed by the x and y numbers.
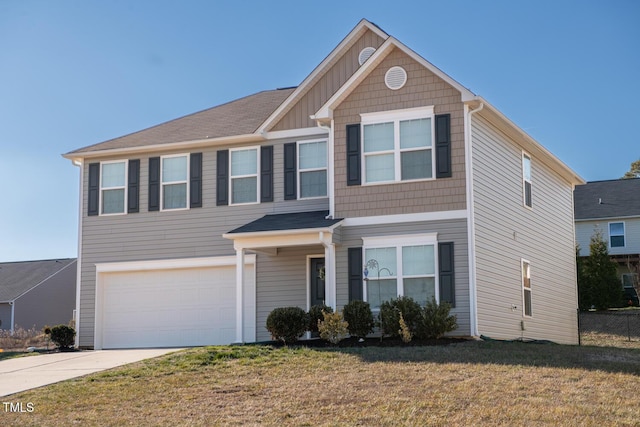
pixel 506 232
pixel 195 232
pixel 423 88
pixel 586 229
pixel 448 231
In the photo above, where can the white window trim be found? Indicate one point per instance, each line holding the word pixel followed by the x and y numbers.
pixel 256 175
pixel 525 180
pixel 624 234
pixel 125 187
pixel 300 171
pixel 398 242
pixel 530 289
pixel 186 181
pixel 395 117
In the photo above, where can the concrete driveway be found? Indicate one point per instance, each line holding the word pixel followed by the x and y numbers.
pixel 25 373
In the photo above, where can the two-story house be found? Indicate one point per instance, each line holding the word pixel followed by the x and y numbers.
pixel 612 208
pixel 194 230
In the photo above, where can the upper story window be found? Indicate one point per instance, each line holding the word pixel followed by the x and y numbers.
pixel 616 235
pixel 398 145
pixel 312 169
pixel 244 175
pixel 526 179
pixel 526 288
pixel 175 173
pixel 113 188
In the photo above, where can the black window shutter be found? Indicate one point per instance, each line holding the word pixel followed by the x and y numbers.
pixel 154 184
pixel 443 146
pixel 195 182
pixel 527 194
pixel 133 191
pixel 353 155
pixel 266 173
pixel 446 273
pixel 290 188
pixel 94 189
pixel 355 273
pixel 222 178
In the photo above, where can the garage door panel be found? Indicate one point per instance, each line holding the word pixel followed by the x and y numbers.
pixel 170 308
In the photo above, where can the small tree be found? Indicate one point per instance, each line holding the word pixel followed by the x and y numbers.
pixel 598 283
pixel 315 316
pixel 332 328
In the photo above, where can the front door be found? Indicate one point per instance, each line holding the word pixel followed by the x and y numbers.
pixel 316 281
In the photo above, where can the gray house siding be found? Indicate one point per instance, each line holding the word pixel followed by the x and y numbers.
pixel 585 229
pixel 506 231
pixel 51 303
pixel 5 315
pixel 448 231
pixel 170 234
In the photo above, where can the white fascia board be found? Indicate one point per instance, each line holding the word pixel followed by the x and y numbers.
pixel 404 218
pixel 296 133
pixel 292 232
pixel 307 83
pixel 185 145
pixel 607 218
pixel 169 264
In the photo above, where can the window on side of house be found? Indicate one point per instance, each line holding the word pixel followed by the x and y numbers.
pixel 616 235
pixel 400 266
pixel 398 146
pixel 526 180
pixel 113 188
pixel 174 177
pixel 312 169
pixel 244 167
pixel 629 280
pixel 526 289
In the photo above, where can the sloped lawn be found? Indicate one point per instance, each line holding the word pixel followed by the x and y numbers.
pixel 463 384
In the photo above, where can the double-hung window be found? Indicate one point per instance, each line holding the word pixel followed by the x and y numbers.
pixel 616 234
pixel 312 169
pixel 526 288
pixel 400 266
pixel 526 179
pixel 175 173
pixel 244 175
pixel 398 145
pixel 113 188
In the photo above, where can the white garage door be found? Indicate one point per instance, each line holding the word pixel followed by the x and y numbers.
pixel 171 308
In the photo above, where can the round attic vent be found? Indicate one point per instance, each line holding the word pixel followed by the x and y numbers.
pixel 395 78
pixel 365 54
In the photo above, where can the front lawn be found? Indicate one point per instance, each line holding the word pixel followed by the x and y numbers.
pixel 472 383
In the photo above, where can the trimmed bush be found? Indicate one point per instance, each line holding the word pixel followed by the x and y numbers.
pixel 359 317
pixel 333 328
pixel 390 315
pixel 315 316
pixel 436 321
pixel 287 324
pixel 63 336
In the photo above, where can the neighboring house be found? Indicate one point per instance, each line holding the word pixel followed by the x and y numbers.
pixel 613 208
pixel 37 293
pixel 194 230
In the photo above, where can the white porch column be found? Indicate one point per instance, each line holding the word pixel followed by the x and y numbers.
pixel 330 291
pixel 239 295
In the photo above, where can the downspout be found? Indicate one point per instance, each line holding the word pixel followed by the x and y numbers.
pixel 473 296
pixel 13 316
pixel 330 168
pixel 80 165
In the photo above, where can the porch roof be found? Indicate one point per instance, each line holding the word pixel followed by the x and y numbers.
pixel 288 221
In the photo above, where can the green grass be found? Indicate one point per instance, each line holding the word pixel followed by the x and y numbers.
pixel 473 383
pixel 13 354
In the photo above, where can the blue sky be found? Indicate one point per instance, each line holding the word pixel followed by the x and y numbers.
pixel 74 73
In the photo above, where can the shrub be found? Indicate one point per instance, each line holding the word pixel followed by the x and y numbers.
pixel 287 323
pixel 390 315
pixel 333 328
pixel 404 331
pixel 359 317
pixel 63 336
pixel 315 316
pixel 435 320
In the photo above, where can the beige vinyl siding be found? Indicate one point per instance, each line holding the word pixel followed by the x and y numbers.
pixel 448 231
pixel 506 232
pixel 586 229
pixel 170 234
pixel 325 85
pixel 423 88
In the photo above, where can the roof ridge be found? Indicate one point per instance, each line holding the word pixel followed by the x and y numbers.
pixel 39 260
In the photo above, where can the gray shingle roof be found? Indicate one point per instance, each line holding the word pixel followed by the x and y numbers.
pixel 607 199
pixel 16 278
pixel 240 117
pixel 288 221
